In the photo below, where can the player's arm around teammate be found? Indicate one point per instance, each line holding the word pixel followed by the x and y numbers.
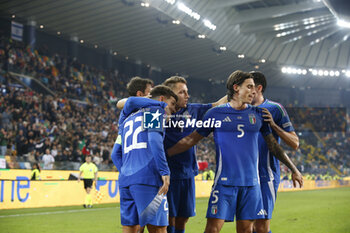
pixel 221 101
pixel 185 143
pixel 290 138
pixel 278 152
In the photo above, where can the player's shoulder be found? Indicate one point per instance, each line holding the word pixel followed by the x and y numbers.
pixel 130 104
pixel 134 114
pixel 154 109
pixel 253 108
pixel 274 106
pixel 135 103
pixel 223 108
pixel 198 105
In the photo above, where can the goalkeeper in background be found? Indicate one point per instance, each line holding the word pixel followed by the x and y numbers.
pixel 88 171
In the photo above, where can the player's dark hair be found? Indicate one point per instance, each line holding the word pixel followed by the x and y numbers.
pixel 259 79
pixel 171 82
pixel 161 90
pixel 138 84
pixel 238 77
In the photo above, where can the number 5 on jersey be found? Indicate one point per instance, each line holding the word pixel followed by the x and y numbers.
pixel 215 195
pixel 240 129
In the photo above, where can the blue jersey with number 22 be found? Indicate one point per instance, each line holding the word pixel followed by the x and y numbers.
pixel 143 158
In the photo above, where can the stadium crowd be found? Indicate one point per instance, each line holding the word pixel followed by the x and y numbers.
pixel 33 125
pixel 65 76
pixel 324 136
pixel 324 119
pixel 81 118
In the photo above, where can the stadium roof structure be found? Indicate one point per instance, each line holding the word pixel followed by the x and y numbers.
pixel 209 39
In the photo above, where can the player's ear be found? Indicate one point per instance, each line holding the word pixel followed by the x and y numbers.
pixel 260 87
pixel 235 87
pixel 139 93
pixel 161 98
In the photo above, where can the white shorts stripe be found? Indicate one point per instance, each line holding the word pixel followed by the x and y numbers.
pixel 218 173
pixel 272 190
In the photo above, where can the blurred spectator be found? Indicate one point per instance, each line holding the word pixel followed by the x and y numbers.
pixel 54 151
pixel 3 141
pixel 48 160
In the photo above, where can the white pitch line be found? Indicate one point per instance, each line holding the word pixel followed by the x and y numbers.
pixel 55 212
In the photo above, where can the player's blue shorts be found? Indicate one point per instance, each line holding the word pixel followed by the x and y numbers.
pixel 269 194
pixel 244 202
pixel 182 198
pixel 141 204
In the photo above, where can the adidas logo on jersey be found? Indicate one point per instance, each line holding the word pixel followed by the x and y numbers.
pixel 227 119
pixel 262 212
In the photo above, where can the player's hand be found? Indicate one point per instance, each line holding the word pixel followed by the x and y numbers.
pixel 268 117
pixel 78 179
pixel 164 189
pixel 297 177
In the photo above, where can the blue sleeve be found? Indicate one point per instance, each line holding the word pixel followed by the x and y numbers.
pixel 117 153
pixel 135 103
pixel 205 131
pixel 284 121
pixel 200 109
pixel 155 140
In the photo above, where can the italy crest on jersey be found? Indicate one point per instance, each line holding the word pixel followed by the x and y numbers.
pixel 252 119
pixel 186 115
pixel 214 209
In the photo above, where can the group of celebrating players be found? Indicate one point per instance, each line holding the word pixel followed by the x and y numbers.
pixel 157 167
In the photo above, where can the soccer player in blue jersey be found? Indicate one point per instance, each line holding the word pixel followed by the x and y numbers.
pixel 136 87
pixel 140 87
pixel 183 166
pixel 144 174
pixel 269 168
pixel 236 128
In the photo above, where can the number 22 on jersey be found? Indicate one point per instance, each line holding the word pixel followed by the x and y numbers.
pixel 134 134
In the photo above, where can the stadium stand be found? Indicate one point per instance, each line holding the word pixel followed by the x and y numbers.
pixel 79 117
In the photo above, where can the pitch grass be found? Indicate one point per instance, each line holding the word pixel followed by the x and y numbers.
pixel 318 211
